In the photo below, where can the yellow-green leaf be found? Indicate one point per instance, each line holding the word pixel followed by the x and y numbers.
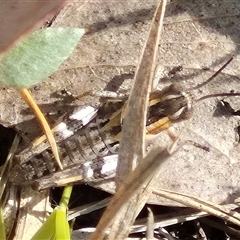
pixel 62 230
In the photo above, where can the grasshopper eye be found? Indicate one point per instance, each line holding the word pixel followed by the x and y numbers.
pixel 184 113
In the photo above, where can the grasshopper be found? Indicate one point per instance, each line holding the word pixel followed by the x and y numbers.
pixel 89 138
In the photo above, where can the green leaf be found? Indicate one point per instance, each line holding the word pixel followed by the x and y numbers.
pixel 56 226
pixel 38 56
pixel 67 191
pixel 62 230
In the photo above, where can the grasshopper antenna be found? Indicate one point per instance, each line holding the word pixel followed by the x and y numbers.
pixel 209 80
pixel 212 77
pixel 217 95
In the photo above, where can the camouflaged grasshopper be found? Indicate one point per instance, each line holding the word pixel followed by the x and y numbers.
pixel 89 138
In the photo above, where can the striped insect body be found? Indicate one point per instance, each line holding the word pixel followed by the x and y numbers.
pixel 92 140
